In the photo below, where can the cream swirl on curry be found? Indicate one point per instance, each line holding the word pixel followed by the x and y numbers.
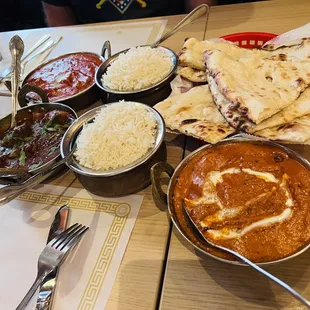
pixel 210 197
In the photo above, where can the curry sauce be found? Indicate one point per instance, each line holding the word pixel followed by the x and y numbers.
pixel 253 199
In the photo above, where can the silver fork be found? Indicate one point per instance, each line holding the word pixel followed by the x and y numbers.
pixel 53 256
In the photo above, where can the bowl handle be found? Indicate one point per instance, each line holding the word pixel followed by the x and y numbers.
pixel 156 171
pixel 106 48
pixel 27 88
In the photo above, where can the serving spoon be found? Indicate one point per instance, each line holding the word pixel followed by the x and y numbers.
pixel 247 261
pixel 16 47
pixel 196 13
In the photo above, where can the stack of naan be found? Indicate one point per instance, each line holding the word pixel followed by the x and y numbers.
pixel 263 92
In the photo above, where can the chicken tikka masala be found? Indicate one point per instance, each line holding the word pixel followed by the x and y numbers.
pixel 251 198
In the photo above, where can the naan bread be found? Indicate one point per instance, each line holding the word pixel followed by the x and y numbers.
pixel 195 114
pixel 192 53
pixel 290 38
pixel 232 116
pixel 297 109
pixel 193 75
pixel 296 131
pixel 256 87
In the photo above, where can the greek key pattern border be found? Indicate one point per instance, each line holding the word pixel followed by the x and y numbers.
pixel 77 203
pixel 96 280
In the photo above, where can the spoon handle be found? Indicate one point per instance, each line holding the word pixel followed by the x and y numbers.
pixel 16 46
pixel 198 12
pixel 16 67
pixel 268 275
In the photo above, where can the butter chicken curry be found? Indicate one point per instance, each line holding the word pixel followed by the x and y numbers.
pixel 251 198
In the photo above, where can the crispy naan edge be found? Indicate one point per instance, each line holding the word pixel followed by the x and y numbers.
pixel 296 131
pixel 257 87
pixel 195 114
pixel 297 109
pixel 290 38
pixel 193 75
pixel 228 109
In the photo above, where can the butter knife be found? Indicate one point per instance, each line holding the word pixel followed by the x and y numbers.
pixel 46 292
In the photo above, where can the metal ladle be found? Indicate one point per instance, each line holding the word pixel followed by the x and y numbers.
pixel 284 285
pixel 16 47
pixel 198 12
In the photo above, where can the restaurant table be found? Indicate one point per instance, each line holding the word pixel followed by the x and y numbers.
pixel 139 279
pixel 194 283
pixel 159 270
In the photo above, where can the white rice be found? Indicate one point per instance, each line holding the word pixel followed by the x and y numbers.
pixel 121 133
pixel 139 68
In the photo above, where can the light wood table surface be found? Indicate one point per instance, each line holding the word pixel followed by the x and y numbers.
pixel 194 283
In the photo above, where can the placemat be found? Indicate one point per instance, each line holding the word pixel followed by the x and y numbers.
pixel 86 278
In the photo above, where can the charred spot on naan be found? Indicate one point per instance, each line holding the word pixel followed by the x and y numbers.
pixel 280 57
pixel 188 121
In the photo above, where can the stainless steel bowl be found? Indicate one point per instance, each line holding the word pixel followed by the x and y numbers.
pixel 77 102
pixel 193 238
pixel 121 181
pixel 150 95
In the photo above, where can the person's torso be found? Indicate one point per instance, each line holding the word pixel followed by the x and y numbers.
pixel 109 10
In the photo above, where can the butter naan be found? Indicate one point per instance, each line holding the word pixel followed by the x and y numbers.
pixel 195 114
pixel 297 109
pixel 192 53
pixel 290 38
pixel 255 87
pixel 193 75
pixel 296 131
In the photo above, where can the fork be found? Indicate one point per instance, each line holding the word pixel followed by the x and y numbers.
pixel 53 256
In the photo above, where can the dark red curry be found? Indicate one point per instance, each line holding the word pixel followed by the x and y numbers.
pixel 35 140
pixel 66 76
pixel 251 198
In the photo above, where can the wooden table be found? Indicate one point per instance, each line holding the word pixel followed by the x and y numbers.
pixel 193 283
pixel 159 270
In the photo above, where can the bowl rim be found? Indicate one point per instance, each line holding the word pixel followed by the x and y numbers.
pixel 24 82
pixel 103 67
pixel 239 138
pixel 69 139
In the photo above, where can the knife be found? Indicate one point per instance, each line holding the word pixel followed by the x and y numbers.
pixel 46 292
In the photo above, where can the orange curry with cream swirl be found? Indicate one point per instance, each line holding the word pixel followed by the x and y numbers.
pixel 254 199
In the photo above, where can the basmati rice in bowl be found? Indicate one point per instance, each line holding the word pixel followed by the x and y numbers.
pixel 120 134
pixel 138 68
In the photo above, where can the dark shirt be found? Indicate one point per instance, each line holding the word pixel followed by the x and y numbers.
pixel 91 11
pixel 21 14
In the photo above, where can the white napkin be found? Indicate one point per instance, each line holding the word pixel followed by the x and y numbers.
pixel 86 278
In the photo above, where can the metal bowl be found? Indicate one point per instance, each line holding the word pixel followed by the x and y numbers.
pixel 77 102
pixel 121 181
pixel 150 95
pixel 5 123
pixel 193 238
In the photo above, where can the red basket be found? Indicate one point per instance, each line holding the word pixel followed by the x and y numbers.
pixel 249 39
